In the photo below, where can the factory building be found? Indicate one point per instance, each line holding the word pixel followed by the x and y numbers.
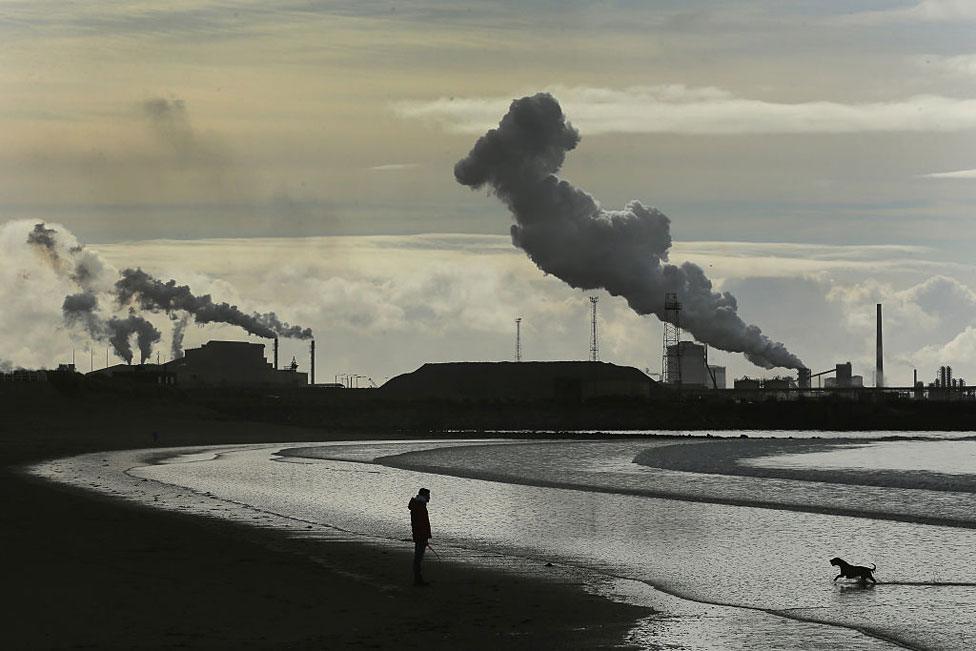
pixel 843 378
pixel 687 365
pixel 216 363
pixel 231 363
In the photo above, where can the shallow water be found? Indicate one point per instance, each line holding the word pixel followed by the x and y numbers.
pixel 768 565
pixel 952 457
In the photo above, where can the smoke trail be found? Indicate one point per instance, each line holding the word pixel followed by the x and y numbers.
pixel 121 330
pixel 80 309
pixel 179 327
pixel 157 296
pixel 72 261
pixel 43 236
pixel 85 268
pixel 566 232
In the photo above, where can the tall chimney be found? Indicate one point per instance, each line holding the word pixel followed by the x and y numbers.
pixel 312 377
pixel 879 368
pixel 276 353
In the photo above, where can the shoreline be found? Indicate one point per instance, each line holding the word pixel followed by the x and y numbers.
pixel 116 574
pixel 665 605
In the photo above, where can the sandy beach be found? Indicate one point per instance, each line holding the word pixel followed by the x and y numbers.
pixel 83 571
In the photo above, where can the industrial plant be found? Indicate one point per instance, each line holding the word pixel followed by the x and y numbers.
pixel 685 374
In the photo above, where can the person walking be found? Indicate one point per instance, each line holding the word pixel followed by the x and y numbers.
pixel 420 526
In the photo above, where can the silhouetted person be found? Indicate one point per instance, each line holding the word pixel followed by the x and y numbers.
pixel 420 526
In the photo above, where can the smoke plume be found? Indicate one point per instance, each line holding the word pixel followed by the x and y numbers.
pixel 72 261
pixel 42 236
pixel 136 288
pixel 80 309
pixel 121 330
pixel 566 233
pixel 152 294
pixel 176 339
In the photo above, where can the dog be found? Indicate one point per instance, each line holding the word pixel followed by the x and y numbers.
pixel 859 572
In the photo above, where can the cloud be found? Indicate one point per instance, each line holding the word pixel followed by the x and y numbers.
pixel 934 11
pixel 958 174
pixel 962 65
pixel 391 303
pixel 957 353
pixel 391 167
pixel 705 111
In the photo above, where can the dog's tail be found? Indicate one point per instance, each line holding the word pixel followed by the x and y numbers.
pixel 873 567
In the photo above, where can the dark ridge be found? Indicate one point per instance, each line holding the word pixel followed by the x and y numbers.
pixel 518 381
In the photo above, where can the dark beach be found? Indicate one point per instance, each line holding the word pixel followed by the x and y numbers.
pixel 84 571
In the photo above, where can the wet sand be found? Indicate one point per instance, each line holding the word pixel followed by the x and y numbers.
pixel 83 571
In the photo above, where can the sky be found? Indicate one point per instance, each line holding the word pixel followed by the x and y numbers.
pixel 814 158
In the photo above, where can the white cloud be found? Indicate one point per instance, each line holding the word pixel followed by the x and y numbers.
pixel 705 110
pixel 924 11
pixel 962 65
pixel 392 167
pixel 958 353
pixel 958 174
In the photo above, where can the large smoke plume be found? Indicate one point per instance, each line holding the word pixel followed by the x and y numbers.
pixel 566 233
pixel 138 290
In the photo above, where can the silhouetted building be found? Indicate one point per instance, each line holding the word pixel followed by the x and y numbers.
pixel 24 375
pixel 231 363
pixel 687 361
pixel 843 378
pixel 136 373
pixel 747 384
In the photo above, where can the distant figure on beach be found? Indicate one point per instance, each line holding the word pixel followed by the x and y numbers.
pixel 420 525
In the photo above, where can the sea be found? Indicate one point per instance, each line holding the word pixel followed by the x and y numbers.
pixel 726 535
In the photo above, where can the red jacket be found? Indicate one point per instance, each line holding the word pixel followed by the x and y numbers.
pixel 419 521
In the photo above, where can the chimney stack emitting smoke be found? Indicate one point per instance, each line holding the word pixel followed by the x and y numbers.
pixel 312 363
pixel 568 234
pixel 879 364
pixel 137 289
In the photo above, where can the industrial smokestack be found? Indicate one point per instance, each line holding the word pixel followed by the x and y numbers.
pixel 276 353
pixel 879 367
pixel 312 365
pixel 804 378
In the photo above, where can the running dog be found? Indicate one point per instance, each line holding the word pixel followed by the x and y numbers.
pixel 859 572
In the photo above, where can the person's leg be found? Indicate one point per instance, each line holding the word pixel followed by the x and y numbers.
pixel 418 556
